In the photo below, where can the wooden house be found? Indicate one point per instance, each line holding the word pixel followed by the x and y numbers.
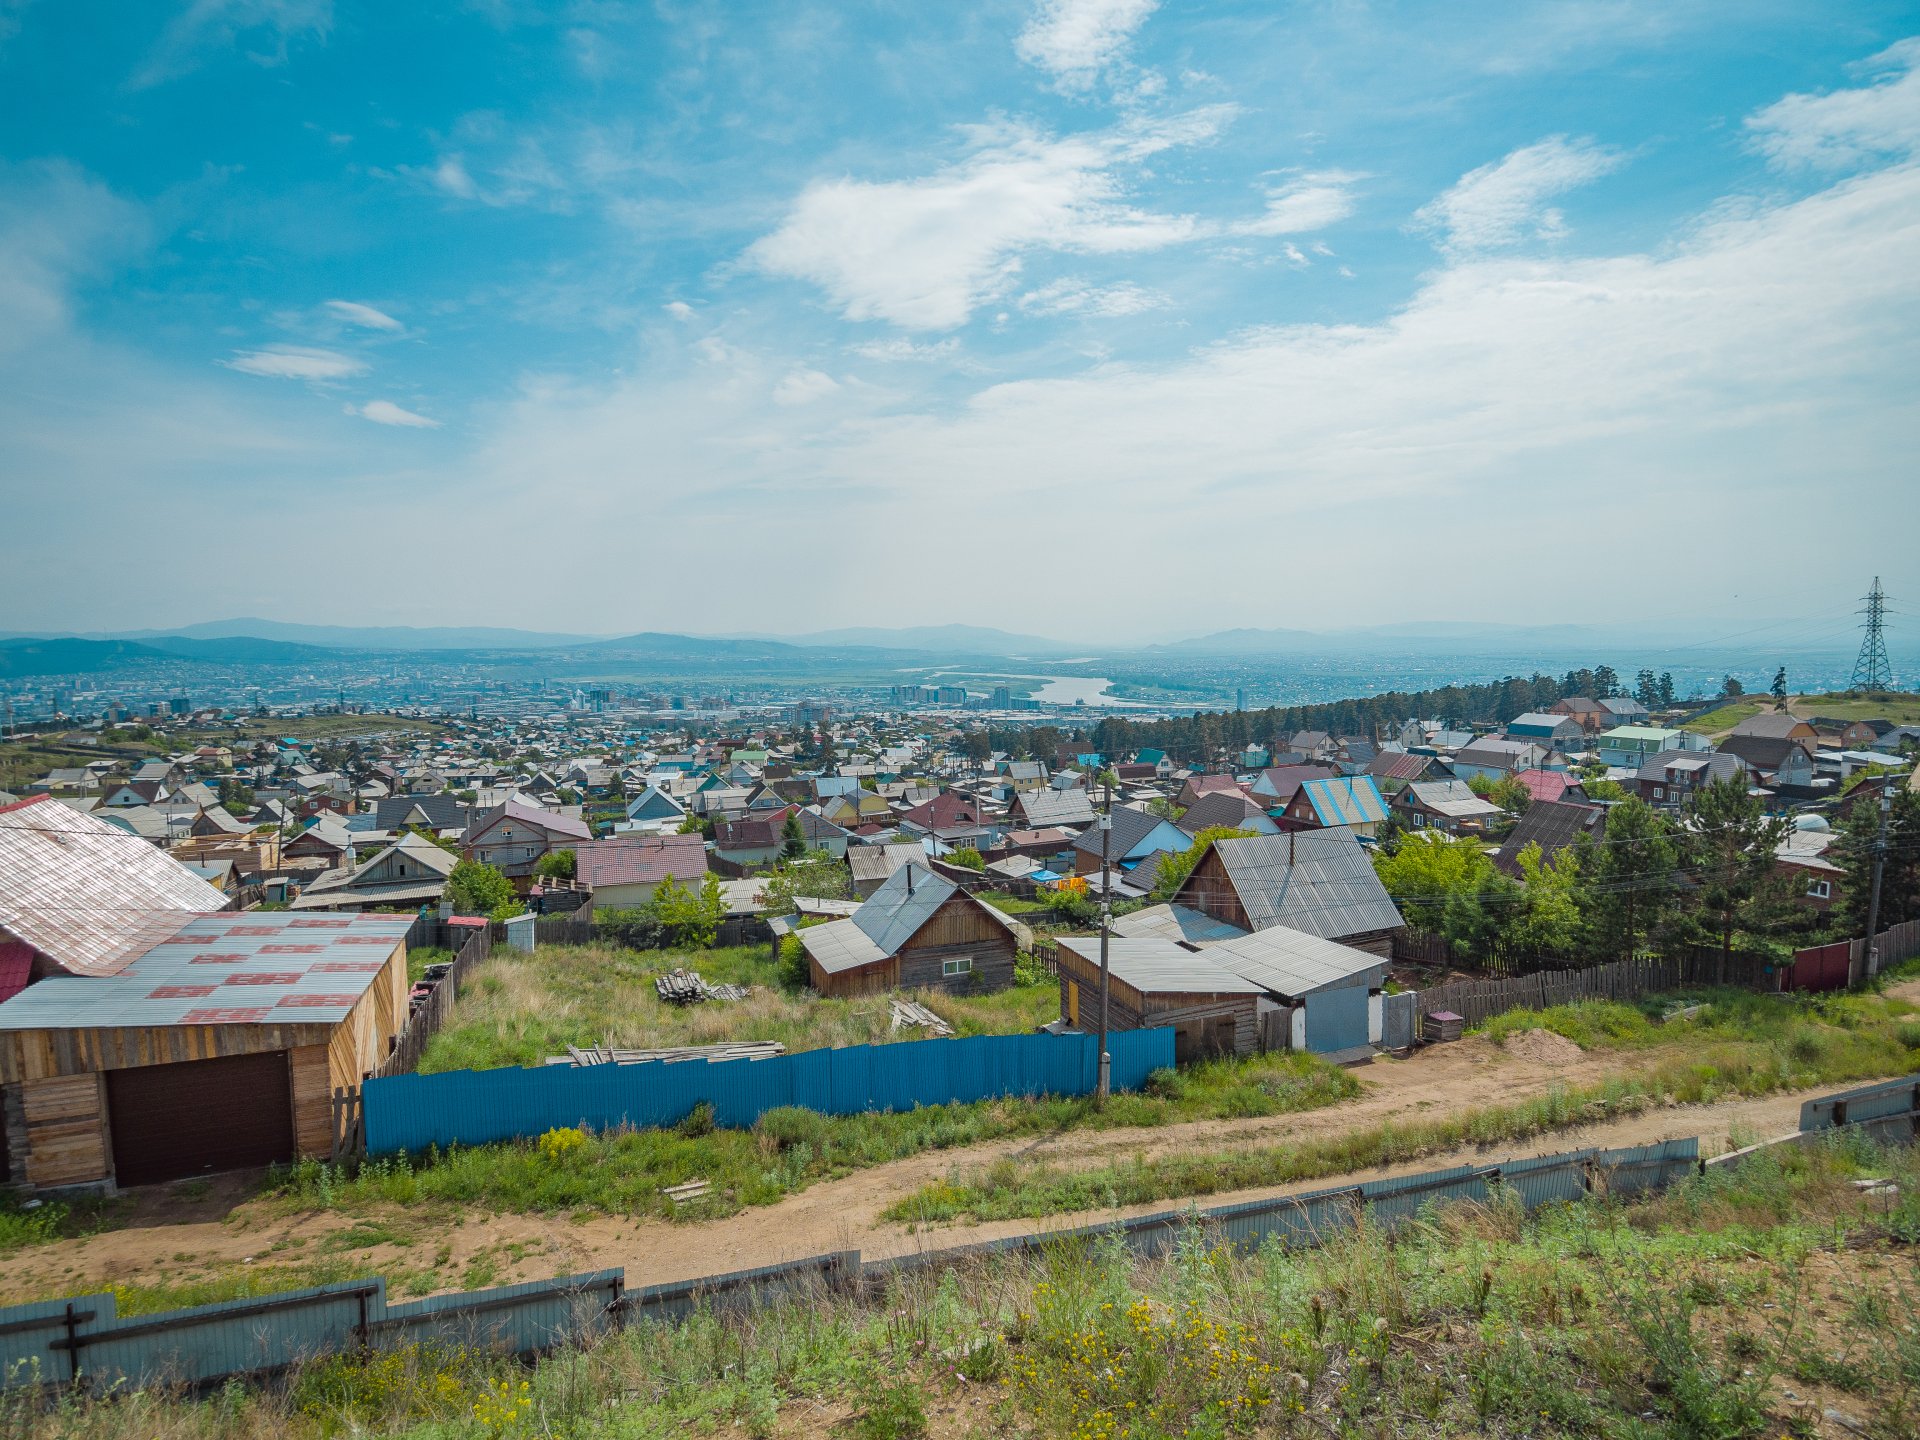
pixel 1317 881
pixel 149 1035
pixel 512 836
pixel 919 930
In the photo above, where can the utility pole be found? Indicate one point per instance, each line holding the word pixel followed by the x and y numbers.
pixel 1106 924
pixel 1879 863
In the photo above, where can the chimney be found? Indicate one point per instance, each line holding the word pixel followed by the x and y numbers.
pixel 909 869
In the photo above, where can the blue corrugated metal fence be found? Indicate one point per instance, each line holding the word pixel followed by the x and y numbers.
pixel 472 1107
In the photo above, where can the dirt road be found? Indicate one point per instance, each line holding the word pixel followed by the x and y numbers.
pixel 170 1238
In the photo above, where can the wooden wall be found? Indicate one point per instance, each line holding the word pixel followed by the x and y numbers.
pixel 872 979
pixel 359 1043
pixel 312 1101
pixel 27 1055
pixel 1191 1016
pixel 65 1131
pixel 959 927
pixel 1211 892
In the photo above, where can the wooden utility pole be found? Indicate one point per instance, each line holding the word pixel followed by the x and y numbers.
pixel 1879 863
pixel 1105 1080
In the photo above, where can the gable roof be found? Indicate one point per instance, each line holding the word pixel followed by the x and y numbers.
pixel 877 862
pixel 1546 784
pixel 1772 724
pixel 1156 965
pixel 640 860
pixel 1130 828
pixel 1553 825
pixel 1345 800
pixel 905 901
pixel 1398 765
pixel 1763 752
pixel 1283 782
pixel 1319 881
pixel 552 824
pixel 1454 798
pixel 1228 808
pixel 1054 807
pixel 88 895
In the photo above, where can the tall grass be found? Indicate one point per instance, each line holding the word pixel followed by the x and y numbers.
pixel 1740 1044
pixel 1693 1315
pixel 521 1008
pixel 624 1172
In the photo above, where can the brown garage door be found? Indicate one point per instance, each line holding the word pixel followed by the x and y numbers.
pixel 172 1121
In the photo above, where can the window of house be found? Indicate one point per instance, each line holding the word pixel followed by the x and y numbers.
pixel 1820 890
pixel 961 966
pixel 1659 792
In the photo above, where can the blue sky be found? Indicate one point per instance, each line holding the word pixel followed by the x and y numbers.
pixel 720 317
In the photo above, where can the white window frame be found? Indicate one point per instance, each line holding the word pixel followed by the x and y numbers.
pixel 959 965
pixel 1820 890
pixel 1659 792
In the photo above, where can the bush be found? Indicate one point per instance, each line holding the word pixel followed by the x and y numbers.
pixel 697 1122
pixel 792 969
pixel 967 858
pixel 786 1126
pixel 561 1142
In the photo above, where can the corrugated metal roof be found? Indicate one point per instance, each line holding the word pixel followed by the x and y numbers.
pixel 1154 965
pixel 1319 881
pixel 233 968
pixel 1174 922
pixel 89 895
pixel 1347 800
pixel 904 902
pixel 837 946
pixel 1293 963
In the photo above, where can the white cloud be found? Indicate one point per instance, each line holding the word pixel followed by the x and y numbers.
pixel 295 362
pixel 1847 127
pixel 802 386
pixel 899 348
pixel 385 412
pixel 1505 203
pixel 1681 378
pixel 1076 41
pixel 365 316
pixel 206 24
pixel 923 254
pixel 1310 202
pixel 1076 297
pixel 678 309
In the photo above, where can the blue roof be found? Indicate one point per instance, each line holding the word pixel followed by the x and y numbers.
pixel 1346 800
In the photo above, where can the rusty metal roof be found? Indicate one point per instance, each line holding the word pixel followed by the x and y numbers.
pixel 89 895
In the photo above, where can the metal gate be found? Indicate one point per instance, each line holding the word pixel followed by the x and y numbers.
pixel 1337 1019
pixel 172 1121
pixel 1399 1014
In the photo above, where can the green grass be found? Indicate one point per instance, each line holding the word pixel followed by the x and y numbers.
pixel 1014 904
pixel 624 1172
pixel 1740 1044
pixel 1732 1306
pixel 519 1009
pixel 419 958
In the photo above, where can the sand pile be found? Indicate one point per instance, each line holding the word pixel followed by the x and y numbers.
pixel 1543 1047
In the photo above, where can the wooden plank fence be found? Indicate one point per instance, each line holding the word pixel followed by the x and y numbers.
pixel 433 1011
pixel 1478 1000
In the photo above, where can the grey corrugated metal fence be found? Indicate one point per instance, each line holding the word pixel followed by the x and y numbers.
pixel 84 1339
pixel 472 1107
pixel 56 1341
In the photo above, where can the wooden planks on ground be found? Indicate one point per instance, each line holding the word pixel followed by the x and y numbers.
pixel 671 1055
pixel 909 1015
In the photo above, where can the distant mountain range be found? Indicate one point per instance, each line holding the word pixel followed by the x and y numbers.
pixel 362 637
pixel 70 655
pixel 949 639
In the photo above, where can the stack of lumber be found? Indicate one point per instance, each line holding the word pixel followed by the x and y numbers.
pixel 685 987
pixel 907 1014
pixel 687 1190
pixel 672 1055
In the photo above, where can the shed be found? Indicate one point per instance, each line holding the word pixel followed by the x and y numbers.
pixel 1155 981
pixel 1325 988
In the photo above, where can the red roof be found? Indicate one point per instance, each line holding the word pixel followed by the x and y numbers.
pixel 640 860
pixel 946 811
pixel 1545 784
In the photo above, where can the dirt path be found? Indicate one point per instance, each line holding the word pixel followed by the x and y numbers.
pixel 169 1238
